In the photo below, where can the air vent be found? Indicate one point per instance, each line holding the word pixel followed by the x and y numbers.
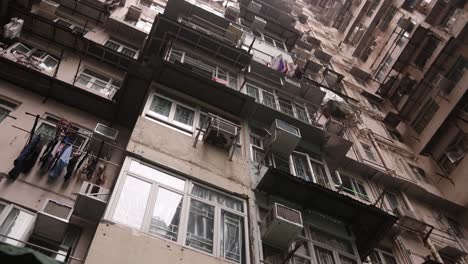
pixel 281 226
pixel 254 7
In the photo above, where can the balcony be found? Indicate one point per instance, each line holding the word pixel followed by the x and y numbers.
pixel 166 31
pixel 369 223
pixel 97 10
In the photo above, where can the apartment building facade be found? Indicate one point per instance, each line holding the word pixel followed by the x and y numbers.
pixel 229 132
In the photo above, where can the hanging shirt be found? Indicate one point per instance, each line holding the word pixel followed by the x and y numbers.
pixel 66 154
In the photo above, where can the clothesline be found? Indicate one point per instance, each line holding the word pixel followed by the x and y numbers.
pixel 80 151
pixel 85 135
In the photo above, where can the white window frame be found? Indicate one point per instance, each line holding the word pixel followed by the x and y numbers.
pixel 41 59
pixel 7 108
pixel 381 253
pixel 110 86
pixel 369 152
pixel 277 105
pixel 121 47
pixel 355 190
pixel 311 244
pixel 53 124
pixel 216 71
pixel 185 209
pixel 169 120
pixel 28 231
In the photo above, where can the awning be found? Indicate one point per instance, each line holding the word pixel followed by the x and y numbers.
pixel 22 255
pixel 368 223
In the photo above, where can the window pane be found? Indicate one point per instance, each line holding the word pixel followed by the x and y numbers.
pixel 252 91
pixel 217 197
pixel 83 79
pixel 200 226
pixel 346 184
pixel 281 164
pixel 184 115
pixel 156 175
pixel 132 202
pixel 232 234
pixel 46 130
pixel 166 215
pixel 161 106
pixel 324 256
pixel 3 113
pixel 346 260
pixel 361 190
pixel 331 240
pixel 15 226
pixel 319 174
pixel 301 166
pixel 128 52
pixel 269 100
pixel 112 45
pixel 301 113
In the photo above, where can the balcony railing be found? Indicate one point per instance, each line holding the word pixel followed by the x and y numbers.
pixel 60 255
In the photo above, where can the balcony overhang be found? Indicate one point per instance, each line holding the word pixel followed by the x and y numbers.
pixel 165 30
pixel 368 223
pixel 176 8
pixel 276 22
pixel 50 87
pixel 179 77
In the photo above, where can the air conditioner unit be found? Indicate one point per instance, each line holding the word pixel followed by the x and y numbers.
pixel 334 126
pixel 281 226
pixel 232 12
pixel 221 132
pixel 91 201
pixel 254 7
pixel 52 220
pixel 105 133
pixel 234 34
pixel 48 6
pixel 409 220
pixel 442 83
pixel 283 139
pixel 133 13
pixel 258 24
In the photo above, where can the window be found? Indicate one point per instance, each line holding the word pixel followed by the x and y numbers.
pixel 47 128
pixel 369 152
pixel 395 200
pixel 38 59
pixel 372 7
pixel 15 224
pixel 171 112
pixel 426 51
pixel 152 5
pixel 458 69
pixel 6 107
pixel 273 41
pixel 309 168
pixel 256 148
pixel 181 211
pixel 379 256
pixel 351 186
pixel 383 69
pixel 125 49
pixel 284 105
pixel 456 227
pixel 385 21
pixel 57 250
pixel 74 27
pixel 326 248
pixel 450 17
pixel 98 83
pixel 417 172
pixel 205 68
pixel 141 23
pixel 425 115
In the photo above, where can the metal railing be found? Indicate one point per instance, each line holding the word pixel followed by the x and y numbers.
pixel 66 256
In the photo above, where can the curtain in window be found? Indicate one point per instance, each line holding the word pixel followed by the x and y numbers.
pixel 231 244
pixel 324 256
pixel 131 206
pixel 200 226
pixel 166 215
pixel 217 197
pixel 15 226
